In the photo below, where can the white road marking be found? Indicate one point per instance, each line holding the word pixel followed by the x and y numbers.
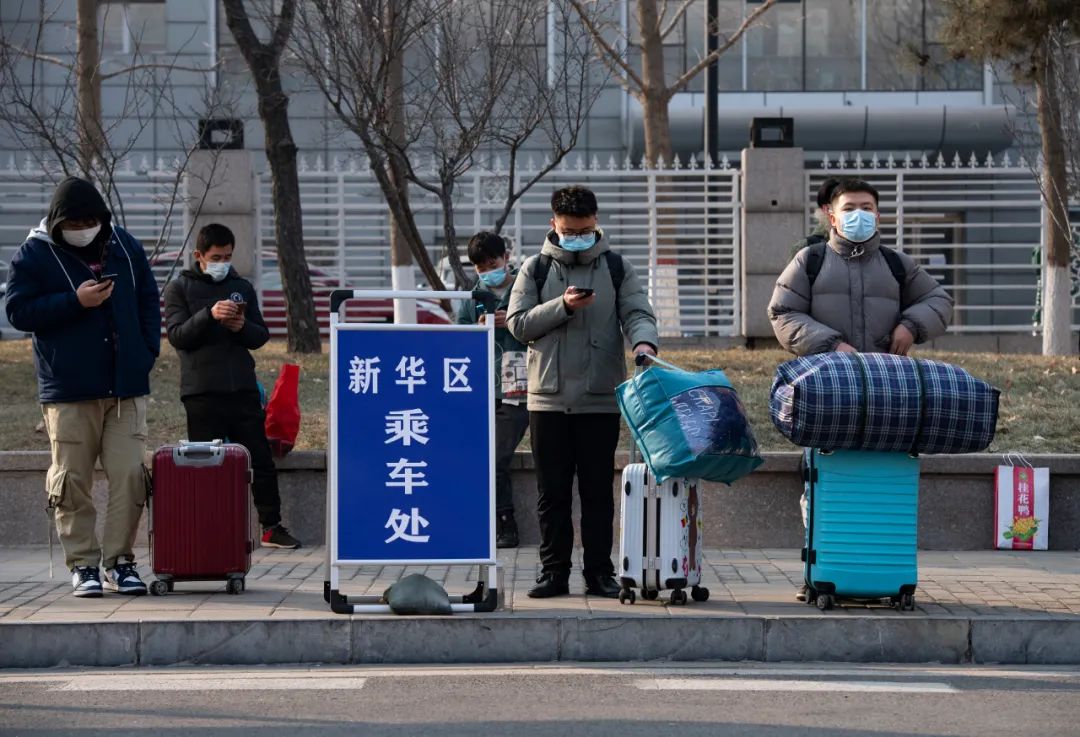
pixel 170 682
pixel 761 684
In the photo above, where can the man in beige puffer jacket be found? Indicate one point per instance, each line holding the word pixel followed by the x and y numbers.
pixel 589 297
pixel 853 294
pixel 865 297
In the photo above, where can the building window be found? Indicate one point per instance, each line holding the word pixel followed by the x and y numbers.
pixel 833 30
pixel 774 48
pixel 132 26
pixel 903 51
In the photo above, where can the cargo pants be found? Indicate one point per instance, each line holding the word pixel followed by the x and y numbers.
pixel 79 434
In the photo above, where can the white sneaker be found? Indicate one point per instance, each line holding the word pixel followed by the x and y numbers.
pixel 124 579
pixel 86 581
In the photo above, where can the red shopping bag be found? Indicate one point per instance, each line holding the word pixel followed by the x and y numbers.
pixel 283 411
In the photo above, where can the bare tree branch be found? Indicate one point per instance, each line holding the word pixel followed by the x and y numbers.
pixel 733 39
pixel 679 13
pixel 611 56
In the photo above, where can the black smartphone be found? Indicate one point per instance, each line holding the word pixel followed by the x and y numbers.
pixel 583 291
pixel 107 277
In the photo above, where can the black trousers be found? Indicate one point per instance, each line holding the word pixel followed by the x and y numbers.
pixel 240 418
pixel 511 422
pixel 564 445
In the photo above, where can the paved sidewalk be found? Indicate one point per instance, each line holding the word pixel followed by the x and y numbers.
pixel 289 583
pixel 991 606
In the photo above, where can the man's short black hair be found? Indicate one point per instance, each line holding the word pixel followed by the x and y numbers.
pixel 575 201
pixel 825 191
pixel 854 185
pixel 214 234
pixel 485 246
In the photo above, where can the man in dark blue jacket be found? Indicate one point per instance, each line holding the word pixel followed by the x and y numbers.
pixel 83 287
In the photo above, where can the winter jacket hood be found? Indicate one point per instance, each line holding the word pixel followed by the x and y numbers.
pixel 76 199
pixel 576 359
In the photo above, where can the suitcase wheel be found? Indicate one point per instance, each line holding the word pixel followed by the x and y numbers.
pixel 825 602
pixel 904 602
pixel 234 586
pixel 159 588
pixel 627 596
pixel 699 593
pixel 678 597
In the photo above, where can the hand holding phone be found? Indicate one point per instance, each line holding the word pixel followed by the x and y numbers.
pixel 106 277
pixel 583 291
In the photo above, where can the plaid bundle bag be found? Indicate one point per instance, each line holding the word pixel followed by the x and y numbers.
pixel 878 401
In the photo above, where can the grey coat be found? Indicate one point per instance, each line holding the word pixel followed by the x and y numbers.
pixel 577 359
pixel 856 300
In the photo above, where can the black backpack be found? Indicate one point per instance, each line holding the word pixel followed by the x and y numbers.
pixel 614 265
pixel 816 257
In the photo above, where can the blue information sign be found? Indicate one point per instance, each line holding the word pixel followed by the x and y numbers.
pixel 412 442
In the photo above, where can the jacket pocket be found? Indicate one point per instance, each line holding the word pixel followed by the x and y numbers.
pixel 543 363
pixel 607 366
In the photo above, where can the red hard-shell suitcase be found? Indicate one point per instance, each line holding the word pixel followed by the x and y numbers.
pixel 200 526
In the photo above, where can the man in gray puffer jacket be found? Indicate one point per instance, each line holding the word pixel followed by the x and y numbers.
pixel 855 294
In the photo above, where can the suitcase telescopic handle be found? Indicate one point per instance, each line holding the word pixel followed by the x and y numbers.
pixel 199 454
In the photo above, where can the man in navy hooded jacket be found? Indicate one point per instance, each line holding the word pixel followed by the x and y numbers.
pixel 83 287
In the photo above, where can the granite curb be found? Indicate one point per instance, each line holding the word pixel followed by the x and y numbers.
pixel 502 638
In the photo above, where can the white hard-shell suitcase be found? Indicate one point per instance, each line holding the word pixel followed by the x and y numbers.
pixel 660 541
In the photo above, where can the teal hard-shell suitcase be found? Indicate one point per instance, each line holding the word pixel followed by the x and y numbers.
pixel 862 527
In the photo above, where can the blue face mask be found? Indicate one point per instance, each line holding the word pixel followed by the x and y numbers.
pixel 577 242
pixel 857 225
pixel 494 278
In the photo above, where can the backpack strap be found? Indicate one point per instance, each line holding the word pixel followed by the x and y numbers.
pixel 816 258
pixel 540 274
pixel 896 266
pixel 616 268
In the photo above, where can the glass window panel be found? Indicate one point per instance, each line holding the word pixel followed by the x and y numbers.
pixel 894 40
pixel 775 49
pixel 146 23
pixel 833 49
pixel 942 71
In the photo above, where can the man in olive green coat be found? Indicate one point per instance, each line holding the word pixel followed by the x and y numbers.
pixel 571 305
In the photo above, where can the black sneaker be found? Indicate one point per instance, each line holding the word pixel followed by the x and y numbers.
pixel 506 531
pixel 278 537
pixel 86 581
pixel 550 584
pixel 124 579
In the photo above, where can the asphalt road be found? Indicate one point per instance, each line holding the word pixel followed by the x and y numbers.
pixel 526 701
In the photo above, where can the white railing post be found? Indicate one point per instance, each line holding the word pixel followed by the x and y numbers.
pixel 736 241
pixel 343 280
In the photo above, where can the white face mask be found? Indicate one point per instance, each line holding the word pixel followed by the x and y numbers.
pixel 80 238
pixel 217 270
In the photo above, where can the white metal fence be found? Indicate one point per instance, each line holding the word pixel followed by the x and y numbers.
pixel 976 225
pixel 679 227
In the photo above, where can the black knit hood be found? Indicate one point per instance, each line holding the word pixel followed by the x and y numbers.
pixel 77 199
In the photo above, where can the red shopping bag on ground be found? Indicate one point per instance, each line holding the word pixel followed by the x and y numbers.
pixel 283 411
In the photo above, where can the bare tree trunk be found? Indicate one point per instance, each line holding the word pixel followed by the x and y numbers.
pixel 1057 299
pixel 88 61
pixel 264 60
pixel 402 276
pixel 654 93
pixel 303 327
pixel 450 249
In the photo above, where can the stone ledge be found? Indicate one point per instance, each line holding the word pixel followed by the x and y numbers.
pixel 502 638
